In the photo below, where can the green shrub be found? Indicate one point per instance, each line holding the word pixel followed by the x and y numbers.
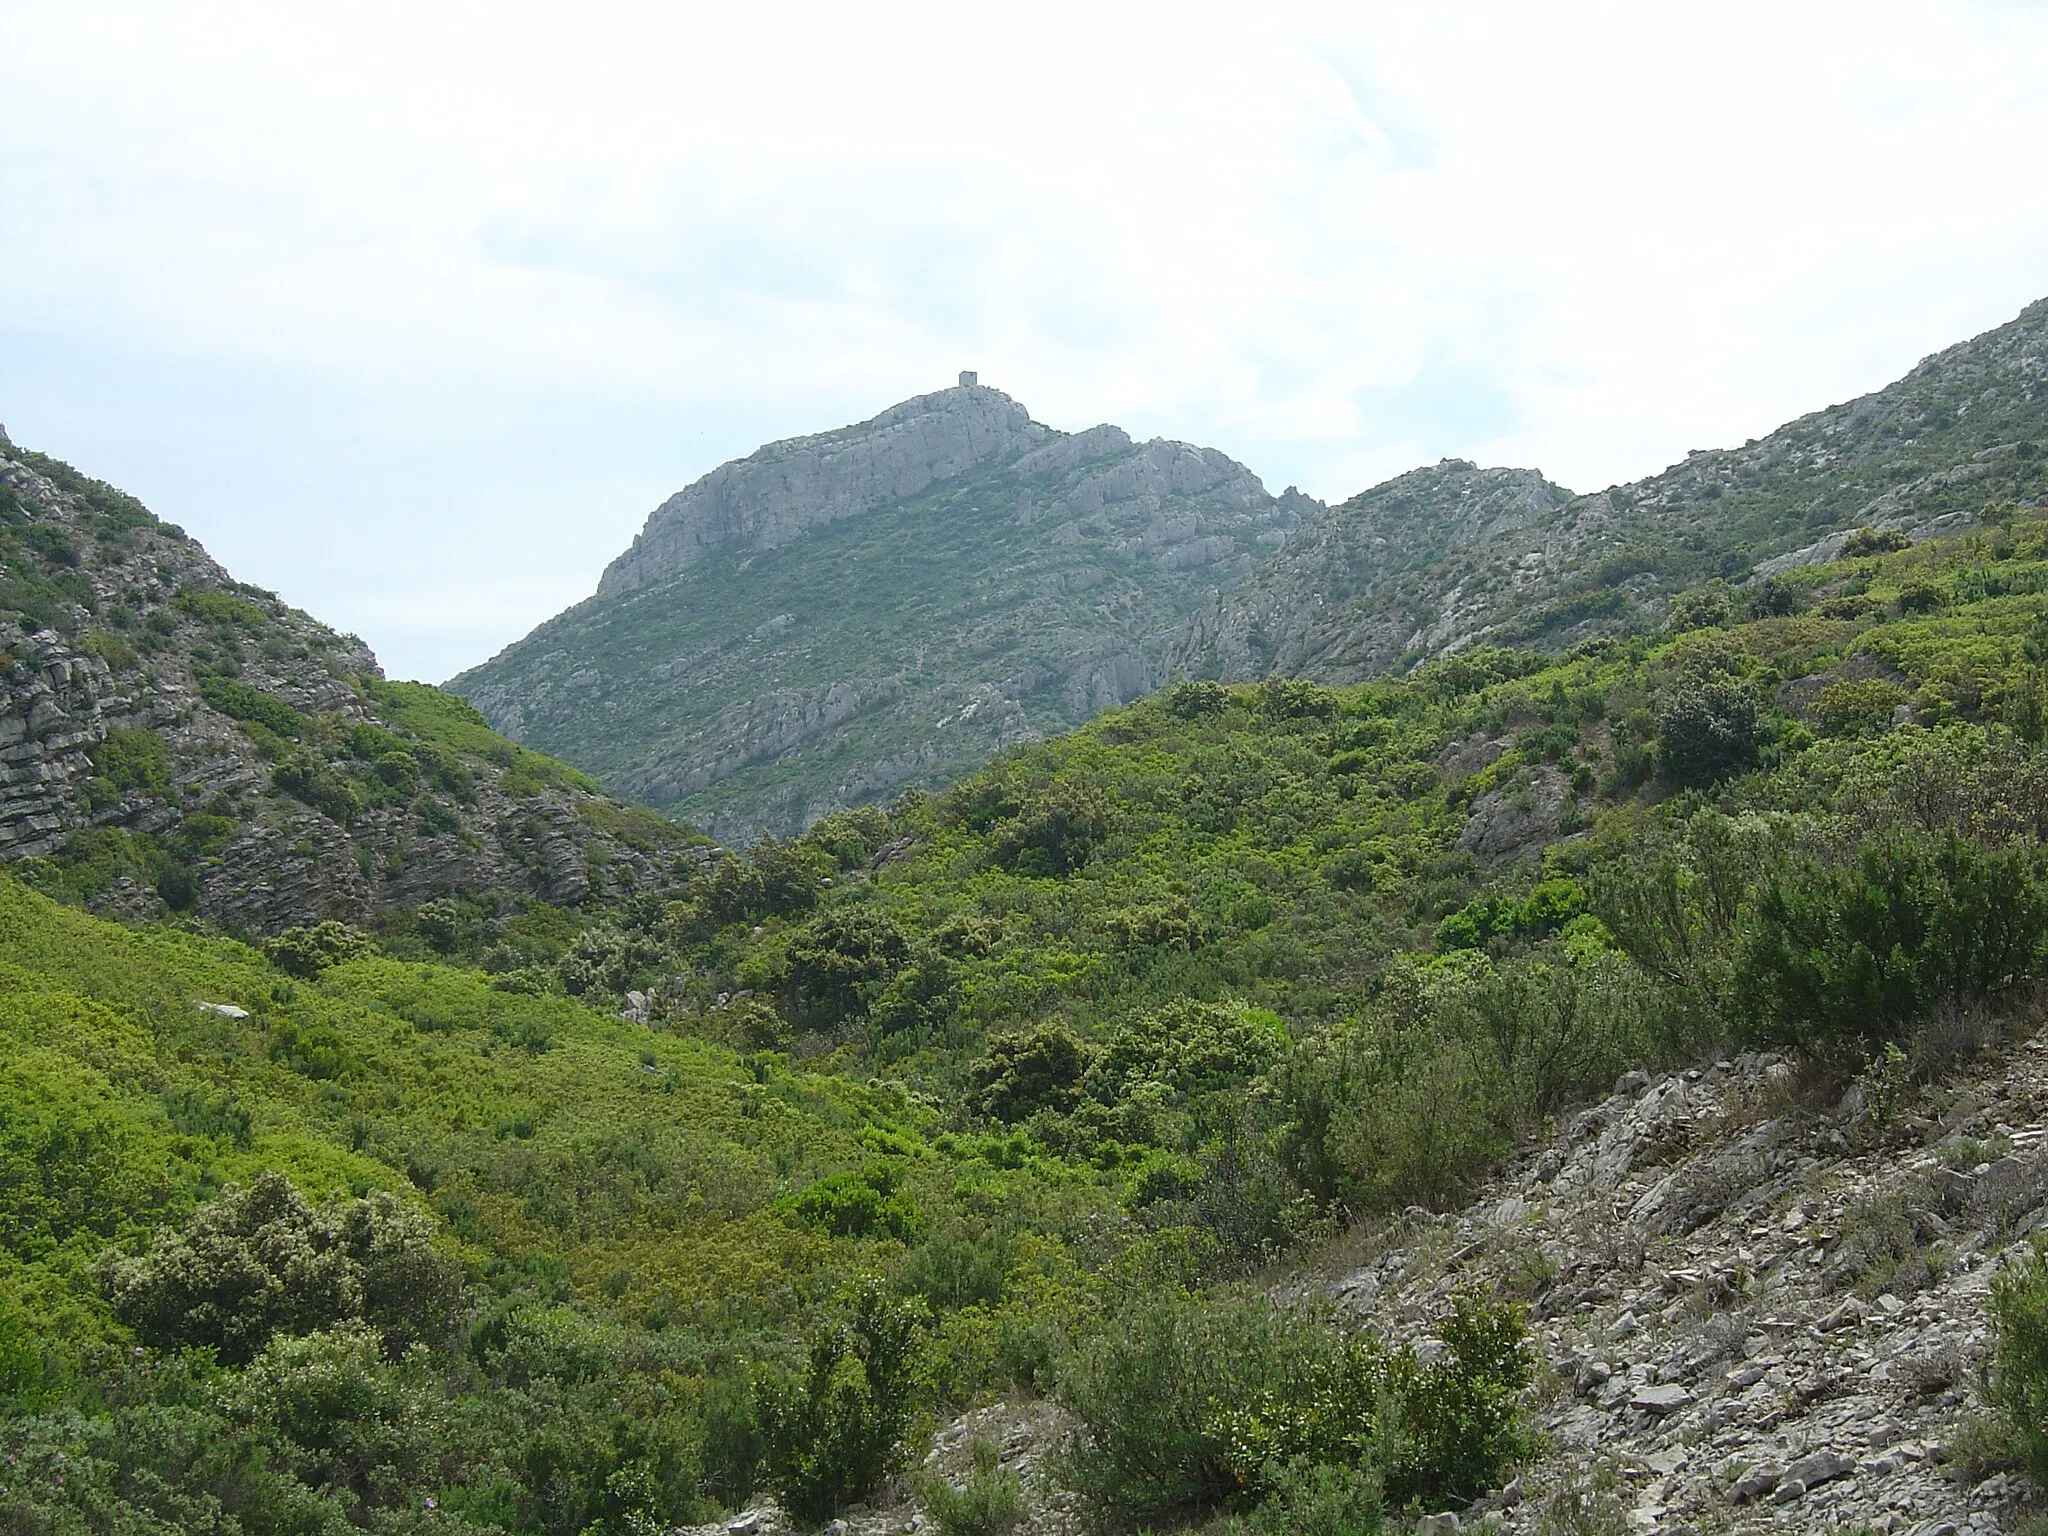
pixel 831 1433
pixel 954 1269
pixel 1707 731
pixel 863 1202
pixel 2015 1385
pixel 1874 541
pixel 134 761
pixel 1314 1499
pixel 238 701
pixel 1857 706
pixel 841 960
pixel 320 786
pixel 990 1502
pixel 1184 1403
pixel 1054 831
pixel 212 606
pixel 260 1261
pixel 306 952
pixel 1041 1068
pixel 1189 1047
pixel 1460 1417
pixel 1857 951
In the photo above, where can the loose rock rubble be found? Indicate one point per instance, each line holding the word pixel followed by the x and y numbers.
pixel 1750 1317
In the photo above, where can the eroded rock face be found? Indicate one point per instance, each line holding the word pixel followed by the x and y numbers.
pixel 829 619
pixel 125 782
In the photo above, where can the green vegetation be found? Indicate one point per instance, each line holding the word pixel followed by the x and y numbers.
pixel 2016 1376
pixel 586 1221
pixel 989 1503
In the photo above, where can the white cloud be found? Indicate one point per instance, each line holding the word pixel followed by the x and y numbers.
pixel 357 294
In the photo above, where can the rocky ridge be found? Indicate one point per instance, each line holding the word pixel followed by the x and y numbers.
pixel 1442 558
pixel 834 617
pixel 138 773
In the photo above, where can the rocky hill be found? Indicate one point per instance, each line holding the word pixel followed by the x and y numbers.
pixel 1440 558
pixel 175 741
pixel 833 617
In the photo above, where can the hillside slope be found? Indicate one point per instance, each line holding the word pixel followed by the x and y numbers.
pixel 1043 1100
pixel 1441 558
pixel 834 617
pixel 173 739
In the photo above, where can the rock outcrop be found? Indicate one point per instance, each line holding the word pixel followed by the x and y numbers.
pixel 1753 1314
pixel 784 490
pixel 172 739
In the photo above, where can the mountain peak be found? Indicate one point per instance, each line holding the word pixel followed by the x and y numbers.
pixel 781 491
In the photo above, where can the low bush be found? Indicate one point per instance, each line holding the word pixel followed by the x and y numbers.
pixel 1708 730
pixel 306 952
pixel 1855 952
pixel 1186 1403
pixel 990 1502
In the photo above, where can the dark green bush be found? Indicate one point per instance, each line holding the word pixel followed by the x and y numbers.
pixel 316 784
pixel 2016 1376
pixel 1040 1069
pixel 1187 1403
pixel 238 701
pixel 831 1433
pixel 1857 951
pixel 261 1261
pixel 1460 1417
pixel 1054 831
pixel 306 952
pixel 1707 731
pixel 841 960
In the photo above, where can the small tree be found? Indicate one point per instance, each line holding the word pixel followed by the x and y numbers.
pixel 306 952
pixel 1708 731
pixel 833 1432
pixel 261 1261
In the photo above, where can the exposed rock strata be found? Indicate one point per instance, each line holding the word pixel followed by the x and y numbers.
pixel 139 593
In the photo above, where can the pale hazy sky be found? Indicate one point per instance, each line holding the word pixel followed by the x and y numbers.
pixel 414 311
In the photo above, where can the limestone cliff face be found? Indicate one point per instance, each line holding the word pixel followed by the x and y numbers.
pixel 832 618
pixel 1446 557
pixel 1364 585
pixel 173 740
pixel 780 492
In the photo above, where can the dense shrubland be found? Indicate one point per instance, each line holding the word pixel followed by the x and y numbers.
pixel 738 1186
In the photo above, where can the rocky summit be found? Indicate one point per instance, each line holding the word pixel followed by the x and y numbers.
pixel 834 617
